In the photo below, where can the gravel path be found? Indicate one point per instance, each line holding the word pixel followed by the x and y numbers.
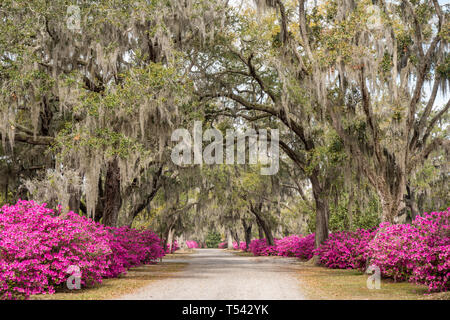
pixel 214 274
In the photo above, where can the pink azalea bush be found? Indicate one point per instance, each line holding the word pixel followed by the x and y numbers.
pixel 432 259
pixel 191 244
pixel 258 247
pixel 390 250
pixel 241 246
pixel 131 248
pixel 290 246
pixel 419 252
pixel 39 248
pixel 345 249
pixel 286 246
pixel 296 246
pixel 223 245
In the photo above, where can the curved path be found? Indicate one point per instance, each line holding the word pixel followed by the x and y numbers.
pixel 214 274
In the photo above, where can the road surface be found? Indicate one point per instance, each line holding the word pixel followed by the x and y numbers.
pixel 215 274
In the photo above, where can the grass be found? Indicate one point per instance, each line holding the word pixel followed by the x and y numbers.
pixel 135 279
pixel 335 284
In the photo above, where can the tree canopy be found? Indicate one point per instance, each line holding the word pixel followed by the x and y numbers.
pixel 91 92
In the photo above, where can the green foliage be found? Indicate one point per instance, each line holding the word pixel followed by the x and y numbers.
pixel 444 68
pixel 213 239
pixel 339 220
pixel 366 218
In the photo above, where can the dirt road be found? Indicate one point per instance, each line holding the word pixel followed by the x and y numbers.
pixel 219 275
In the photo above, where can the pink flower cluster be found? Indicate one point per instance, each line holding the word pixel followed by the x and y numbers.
pixel 223 245
pixel 296 246
pixel 258 247
pixel 290 246
pixel 131 248
pixel 419 252
pixel 242 246
pixel 40 249
pixel 191 244
pixel 345 249
pixel 37 247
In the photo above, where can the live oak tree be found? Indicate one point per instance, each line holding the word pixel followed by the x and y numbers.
pixel 242 71
pixel 357 90
pixel 104 94
pixel 367 65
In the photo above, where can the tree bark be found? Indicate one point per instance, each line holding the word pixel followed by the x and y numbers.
pixel 260 231
pixel 322 211
pixel 247 232
pixel 165 239
pixel 229 240
pixel 170 239
pixel 6 189
pixel 166 233
pixel 411 202
pixel 236 236
pixel 113 199
pixel 351 197
pixel 145 201
pixel 391 202
pixel 100 203
pixel 268 233
pixel 74 199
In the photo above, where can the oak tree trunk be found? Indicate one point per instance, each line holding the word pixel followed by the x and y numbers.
pixel 263 224
pixel 229 239
pixel 74 199
pixel 322 211
pixel 170 239
pixel 113 199
pixel 260 232
pixel 247 232
pixel 236 237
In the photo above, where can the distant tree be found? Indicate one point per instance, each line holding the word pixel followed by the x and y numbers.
pixel 213 239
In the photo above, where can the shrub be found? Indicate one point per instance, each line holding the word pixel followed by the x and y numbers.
pixel 223 245
pixel 191 244
pixel 258 247
pixel 345 249
pixel 304 247
pixel 291 246
pixel 287 246
pixel 131 248
pixel 418 252
pixel 432 258
pixel 391 248
pixel 213 239
pixel 37 247
pixel 242 246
